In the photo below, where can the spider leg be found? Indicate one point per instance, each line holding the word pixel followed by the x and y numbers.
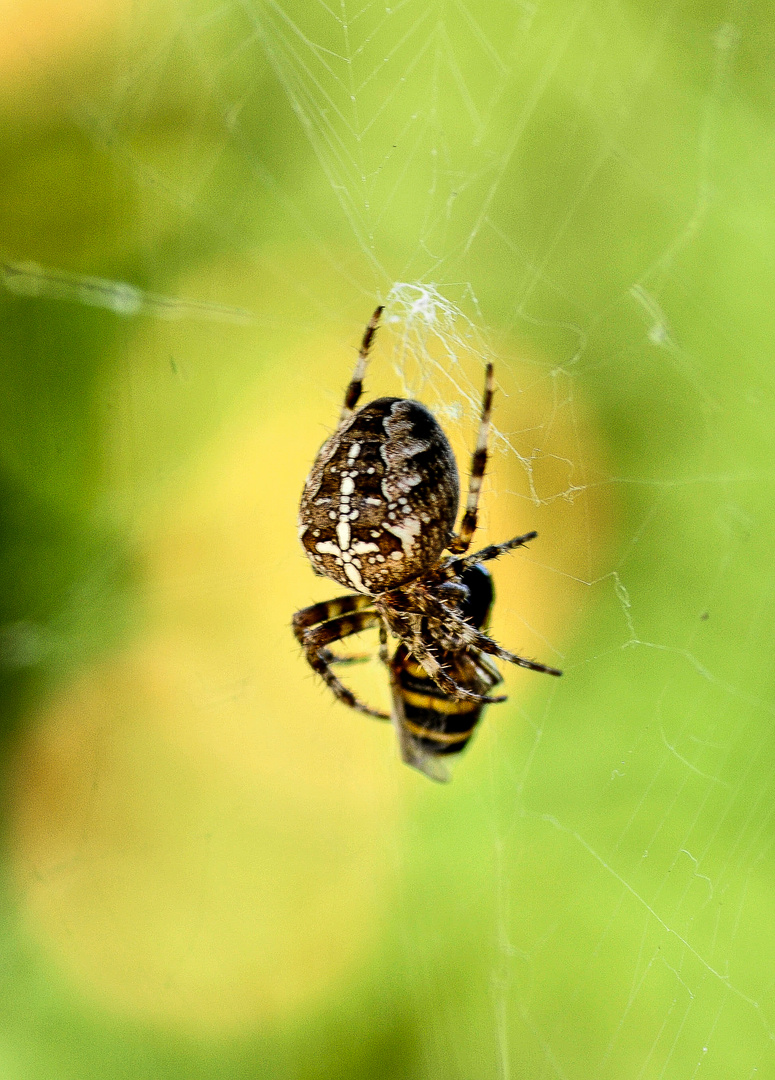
pixel 455 567
pixel 461 542
pixel 332 657
pixel 383 643
pixel 487 645
pixel 425 655
pixel 315 640
pixel 408 626
pixel 355 386
pixel 329 609
pixel 476 639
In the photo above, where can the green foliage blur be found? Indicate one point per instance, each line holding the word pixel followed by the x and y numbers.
pixel 594 897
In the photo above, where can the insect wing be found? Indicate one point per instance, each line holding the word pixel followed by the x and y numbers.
pixel 410 749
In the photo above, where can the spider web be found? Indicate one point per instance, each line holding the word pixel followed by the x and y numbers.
pixel 573 191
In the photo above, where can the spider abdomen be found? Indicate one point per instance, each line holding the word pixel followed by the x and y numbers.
pixel 380 502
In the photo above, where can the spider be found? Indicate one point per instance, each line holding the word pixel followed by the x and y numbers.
pixel 377 512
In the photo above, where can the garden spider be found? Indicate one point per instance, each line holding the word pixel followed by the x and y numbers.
pixel 377 511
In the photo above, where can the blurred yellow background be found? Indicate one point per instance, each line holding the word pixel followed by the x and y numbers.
pixel 198 774
pixel 209 866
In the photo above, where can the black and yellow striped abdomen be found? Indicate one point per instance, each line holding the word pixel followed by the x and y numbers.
pixel 437 722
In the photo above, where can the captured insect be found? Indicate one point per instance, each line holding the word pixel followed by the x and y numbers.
pixel 377 513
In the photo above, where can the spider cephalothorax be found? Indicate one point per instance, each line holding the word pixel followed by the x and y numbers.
pixel 377 512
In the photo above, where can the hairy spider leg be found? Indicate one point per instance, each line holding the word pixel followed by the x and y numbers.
pixel 404 616
pixel 355 386
pixel 426 655
pixel 478 640
pixel 315 639
pixel 434 608
pixel 328 609
pixel 332 657
pixel 494 551
pixel 487 645
pixel 462 541
pixel 383 643
pixel 455 567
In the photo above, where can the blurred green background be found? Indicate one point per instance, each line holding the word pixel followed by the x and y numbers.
pixel 208 867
